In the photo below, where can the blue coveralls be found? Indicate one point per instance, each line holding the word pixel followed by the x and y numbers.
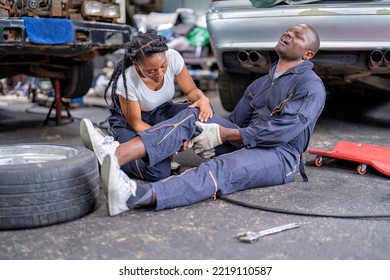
pixel 275 117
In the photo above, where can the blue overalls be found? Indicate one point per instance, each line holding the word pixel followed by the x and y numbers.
pixel 275 119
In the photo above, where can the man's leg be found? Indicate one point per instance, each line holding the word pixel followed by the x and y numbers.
pixel 225 174
pixel 158 142
pixel 229 173
pixel 164 139
pixel 153 145
pixel 122 133
pixel 161 140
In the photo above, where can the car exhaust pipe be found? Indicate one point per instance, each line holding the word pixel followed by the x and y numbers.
pixel 376 58
pixel 242 56
pixel 257 58
pixel 386 58
pixel 253 61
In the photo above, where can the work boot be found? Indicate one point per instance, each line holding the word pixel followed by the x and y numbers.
pixel 96 140
pixel 118 187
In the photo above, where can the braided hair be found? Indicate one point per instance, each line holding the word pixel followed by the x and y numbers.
pixel 145 44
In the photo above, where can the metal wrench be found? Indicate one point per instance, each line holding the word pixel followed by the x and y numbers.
pixel 250 236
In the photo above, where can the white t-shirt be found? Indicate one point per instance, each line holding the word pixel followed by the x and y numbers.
pixel 150 99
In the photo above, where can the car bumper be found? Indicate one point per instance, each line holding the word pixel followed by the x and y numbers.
pixel 342 27
pixel 90 37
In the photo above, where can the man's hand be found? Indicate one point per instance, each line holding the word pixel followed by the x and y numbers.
pixel 207 140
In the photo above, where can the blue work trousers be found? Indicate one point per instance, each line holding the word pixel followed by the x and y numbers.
pixel 228 173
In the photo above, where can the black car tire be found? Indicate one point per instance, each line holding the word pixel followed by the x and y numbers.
pixel 79 80
pixel 44 184
pixel 231 88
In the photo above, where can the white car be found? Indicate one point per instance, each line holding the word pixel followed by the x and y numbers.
pixel 355 42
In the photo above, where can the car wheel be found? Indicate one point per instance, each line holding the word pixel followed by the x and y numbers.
pixel 231 88
pixel 44 184
pixel 79 80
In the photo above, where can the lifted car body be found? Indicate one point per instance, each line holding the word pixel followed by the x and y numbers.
pixel 354 52
pixel 98 28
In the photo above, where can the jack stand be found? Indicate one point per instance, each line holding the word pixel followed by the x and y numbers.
pixel 59 104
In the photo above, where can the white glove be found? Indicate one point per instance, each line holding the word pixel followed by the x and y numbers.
pixel 208 139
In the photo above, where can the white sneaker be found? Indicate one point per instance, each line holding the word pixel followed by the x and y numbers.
pixel 118 187
pixel 96 140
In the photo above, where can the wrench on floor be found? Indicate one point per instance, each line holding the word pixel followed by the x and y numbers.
pixel 250 236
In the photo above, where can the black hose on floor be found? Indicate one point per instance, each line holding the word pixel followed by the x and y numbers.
pixel 289 212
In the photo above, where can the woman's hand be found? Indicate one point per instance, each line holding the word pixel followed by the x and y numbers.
pixel 203 104
pixel 195 95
